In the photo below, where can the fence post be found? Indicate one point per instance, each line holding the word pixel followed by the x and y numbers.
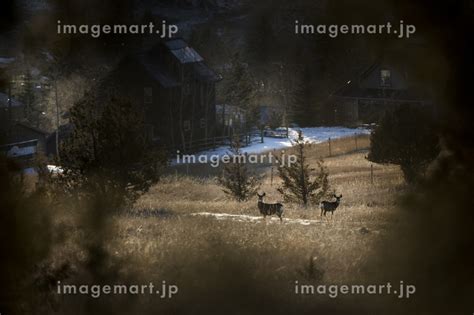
pixel 372 174
pixel 261 136
pixel 271 176
pixel 329 144
pixel 357 146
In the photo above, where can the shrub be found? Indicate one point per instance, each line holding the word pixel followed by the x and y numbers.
pixel 405 137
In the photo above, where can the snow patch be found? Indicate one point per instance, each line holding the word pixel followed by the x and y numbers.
pixel 312 135
pixel 253 219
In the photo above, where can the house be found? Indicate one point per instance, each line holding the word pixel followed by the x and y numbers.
pixel 381 87
pixel 176 90
pixel 23 143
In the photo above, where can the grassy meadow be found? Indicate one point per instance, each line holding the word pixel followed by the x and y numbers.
pixel 215 260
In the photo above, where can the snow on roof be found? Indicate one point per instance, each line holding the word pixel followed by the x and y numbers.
pixel 187 55
pixel 204 72
pixel 176 44
pixel 4 61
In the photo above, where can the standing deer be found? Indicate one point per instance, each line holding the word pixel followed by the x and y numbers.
pixel 269 208
pixel 330 206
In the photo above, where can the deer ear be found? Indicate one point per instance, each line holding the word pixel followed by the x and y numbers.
pixel 264 194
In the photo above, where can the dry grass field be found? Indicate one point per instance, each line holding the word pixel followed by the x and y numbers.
pixel 162 238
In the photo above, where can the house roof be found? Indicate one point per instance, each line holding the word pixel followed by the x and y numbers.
pixel 6 61
pixel 37 130
pixel 156 71
pixel 352 89
pixel 174 44
pixel 187 55
pixel 181 50
pixel 205 73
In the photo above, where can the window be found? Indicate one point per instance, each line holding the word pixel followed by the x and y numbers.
pixel 202 123
pixel 187 125
pixel 385 78
pixel 148 95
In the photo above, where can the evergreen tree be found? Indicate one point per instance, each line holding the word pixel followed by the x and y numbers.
pixel 34 108
pixel 299 186
pixel 405 137
pixel 304 109
pixel 240 90
pixel 109 152
pixel 260 37
pixel 236 178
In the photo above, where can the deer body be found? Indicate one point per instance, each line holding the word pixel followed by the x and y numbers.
pixel 330 206
pixel 269 208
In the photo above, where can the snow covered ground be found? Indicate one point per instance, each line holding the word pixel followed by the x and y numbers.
pixel 253 219
pixel 313 135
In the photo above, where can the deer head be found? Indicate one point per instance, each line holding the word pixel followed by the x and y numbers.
pixel 260 197
pixel 338 198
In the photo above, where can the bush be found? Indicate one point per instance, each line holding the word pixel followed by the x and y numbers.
pixel 405 137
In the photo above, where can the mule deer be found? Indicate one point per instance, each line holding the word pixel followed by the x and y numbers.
pixel 269 208
pixel 330 206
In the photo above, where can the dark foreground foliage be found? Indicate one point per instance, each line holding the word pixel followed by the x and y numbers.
pixel 405 137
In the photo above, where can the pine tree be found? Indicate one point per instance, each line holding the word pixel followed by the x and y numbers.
pixel 34 108
pixel 240 90
pixel 236 178
pixel 304 109
pixel 299 186
pixel 108 151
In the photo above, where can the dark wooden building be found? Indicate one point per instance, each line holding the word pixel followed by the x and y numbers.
pixel 23 143
pixel 379 88
pixel 176 90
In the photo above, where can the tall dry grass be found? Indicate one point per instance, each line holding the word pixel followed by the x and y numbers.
pixel 232 267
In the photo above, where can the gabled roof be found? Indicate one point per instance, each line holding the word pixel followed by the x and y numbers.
pixel 174 44
pixel 187 55
pixel 156 71
pixel 34 129
pixel 181 50
pixel 352 89
pixel 205 73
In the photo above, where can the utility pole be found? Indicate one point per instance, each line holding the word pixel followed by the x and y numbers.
pixel 57 117
pixel 10 114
